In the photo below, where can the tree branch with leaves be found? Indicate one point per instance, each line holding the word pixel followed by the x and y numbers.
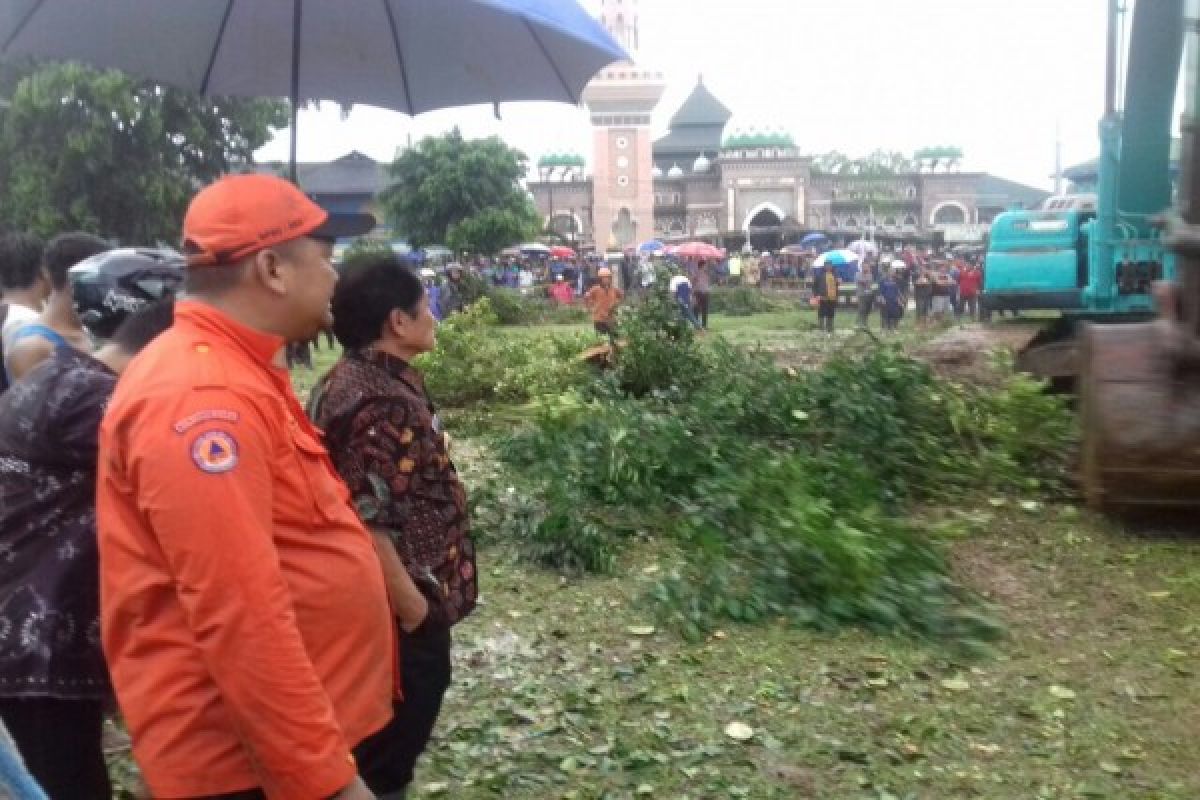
pixel 465 193
pixel 103 152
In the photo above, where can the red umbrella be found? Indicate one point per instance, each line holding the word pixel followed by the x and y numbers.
pixel 561 251
pixel 698 250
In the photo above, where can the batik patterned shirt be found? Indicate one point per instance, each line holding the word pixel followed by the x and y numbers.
pixel 386 440
pixel 49 579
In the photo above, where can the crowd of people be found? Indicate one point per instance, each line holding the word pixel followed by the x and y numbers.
pixel 936 286
pixel 265 591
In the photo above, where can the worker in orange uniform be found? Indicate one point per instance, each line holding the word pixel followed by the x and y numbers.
pixel 602 299
pixel 244 615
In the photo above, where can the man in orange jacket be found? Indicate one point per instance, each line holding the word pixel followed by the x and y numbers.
pixel 244 614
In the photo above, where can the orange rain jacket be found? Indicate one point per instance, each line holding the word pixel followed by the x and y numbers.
pixel 243 607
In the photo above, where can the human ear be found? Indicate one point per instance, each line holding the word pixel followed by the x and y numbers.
pixel 269 271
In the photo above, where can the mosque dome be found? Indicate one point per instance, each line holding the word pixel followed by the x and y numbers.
pixel 560 160
pixel 675 171
pixel 701 164
pixel 656 171
pixel 752 138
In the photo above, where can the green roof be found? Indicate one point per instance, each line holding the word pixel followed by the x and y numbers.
pixel 744 141
pixel 702 109
pixel 560 160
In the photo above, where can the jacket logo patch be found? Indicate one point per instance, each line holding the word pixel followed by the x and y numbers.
pixel 215 452
pixel 208 415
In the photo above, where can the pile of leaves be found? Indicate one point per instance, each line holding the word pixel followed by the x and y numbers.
pixel 785 495
pixel 473 365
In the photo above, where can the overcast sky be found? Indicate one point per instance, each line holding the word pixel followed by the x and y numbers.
pixel 991 76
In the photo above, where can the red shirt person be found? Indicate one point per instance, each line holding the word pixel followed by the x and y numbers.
pixel 970 281
pixel 561 291
pixel 244 615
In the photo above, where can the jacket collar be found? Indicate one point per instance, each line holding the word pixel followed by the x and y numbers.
pixel 261 346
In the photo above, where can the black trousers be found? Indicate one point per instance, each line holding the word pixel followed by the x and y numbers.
pixel 826 310
pixel 386 760
pixel 702 308
pixel 60 741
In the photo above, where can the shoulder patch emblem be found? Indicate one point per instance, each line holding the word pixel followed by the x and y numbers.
pixel 215 452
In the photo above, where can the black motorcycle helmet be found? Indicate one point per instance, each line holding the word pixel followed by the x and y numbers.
pixel 110 286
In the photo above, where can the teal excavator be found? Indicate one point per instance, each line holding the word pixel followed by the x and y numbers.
pixel 1111 265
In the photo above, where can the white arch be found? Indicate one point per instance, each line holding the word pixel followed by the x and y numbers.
pixel 933 214
pixel 774 209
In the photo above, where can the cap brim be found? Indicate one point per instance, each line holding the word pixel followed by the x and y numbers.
pixel 342 225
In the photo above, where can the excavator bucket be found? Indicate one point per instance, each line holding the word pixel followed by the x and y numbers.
pixel 1141 420
pixel 1139 384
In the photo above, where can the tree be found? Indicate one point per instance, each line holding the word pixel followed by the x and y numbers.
pixel 465 193
pixel 879 164
pixel 832 163
pixel 492 229
pixel 930 157
pixel 103 152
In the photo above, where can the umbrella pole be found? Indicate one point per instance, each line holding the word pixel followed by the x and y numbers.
pixel 295 94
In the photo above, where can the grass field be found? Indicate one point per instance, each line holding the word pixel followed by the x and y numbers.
pixel 561 691
pixel 568 689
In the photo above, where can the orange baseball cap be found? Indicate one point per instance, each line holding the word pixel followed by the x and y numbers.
pixel 242 214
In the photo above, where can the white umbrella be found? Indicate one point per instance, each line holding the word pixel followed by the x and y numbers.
pixel 535 248
pixel 863 247
pixel 406 55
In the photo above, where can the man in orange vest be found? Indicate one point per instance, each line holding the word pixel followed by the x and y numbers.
pixel 603 299
pixel 244 614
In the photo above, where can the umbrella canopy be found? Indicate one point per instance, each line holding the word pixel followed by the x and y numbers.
pixel 652 247
pixel 699 250
pixel 814 238
pixel 535 249
pixel 863 247
pixel 562 251
pixel 437 251
pixel 837 258
pixel 405 55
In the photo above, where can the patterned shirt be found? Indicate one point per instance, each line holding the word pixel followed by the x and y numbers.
pixel 386 440
pixel 49 580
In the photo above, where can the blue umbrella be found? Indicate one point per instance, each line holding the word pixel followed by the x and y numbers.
pixel 652 246
pixel 405 55
pixel 814 238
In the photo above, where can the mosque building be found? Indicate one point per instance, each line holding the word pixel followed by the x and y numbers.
pixel 704 180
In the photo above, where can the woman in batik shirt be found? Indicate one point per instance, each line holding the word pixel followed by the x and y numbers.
pixel 387 442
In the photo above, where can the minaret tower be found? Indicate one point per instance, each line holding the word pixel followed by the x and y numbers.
pixel 620 100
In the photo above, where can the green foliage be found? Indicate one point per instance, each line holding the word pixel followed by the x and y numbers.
pixel 788 495
pixel 660 351
pixel 930 157
pixel 513 308
pixel 102 152
pixel 493 229
pixel 366 246
pixel 740 301
pixel 472 364
pixel 464 192
pixel 879 164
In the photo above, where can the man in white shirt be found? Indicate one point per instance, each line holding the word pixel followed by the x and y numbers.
pixel 22 282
